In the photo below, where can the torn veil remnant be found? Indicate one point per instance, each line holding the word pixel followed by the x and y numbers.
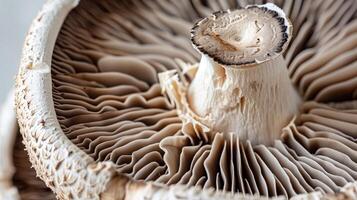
pixel 242 85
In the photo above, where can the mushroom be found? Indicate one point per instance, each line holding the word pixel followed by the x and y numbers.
pixel 95 127
pixel 7 135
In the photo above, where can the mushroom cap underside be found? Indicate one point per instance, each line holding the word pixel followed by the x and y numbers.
pixel 114 113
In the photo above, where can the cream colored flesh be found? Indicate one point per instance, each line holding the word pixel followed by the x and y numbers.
pixel 254 103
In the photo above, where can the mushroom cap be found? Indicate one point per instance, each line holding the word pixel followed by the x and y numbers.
pixel 84 109
pixel 243 37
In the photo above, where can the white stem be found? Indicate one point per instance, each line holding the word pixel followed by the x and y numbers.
pixel 254 102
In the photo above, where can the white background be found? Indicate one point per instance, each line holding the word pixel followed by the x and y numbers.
pixel 15 19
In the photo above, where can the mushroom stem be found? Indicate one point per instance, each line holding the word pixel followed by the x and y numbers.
pixel 254 102
pixel 252 97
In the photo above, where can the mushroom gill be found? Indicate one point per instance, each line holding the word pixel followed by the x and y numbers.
pixel 108 99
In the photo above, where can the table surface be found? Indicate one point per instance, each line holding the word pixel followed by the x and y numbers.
pixel 15 19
